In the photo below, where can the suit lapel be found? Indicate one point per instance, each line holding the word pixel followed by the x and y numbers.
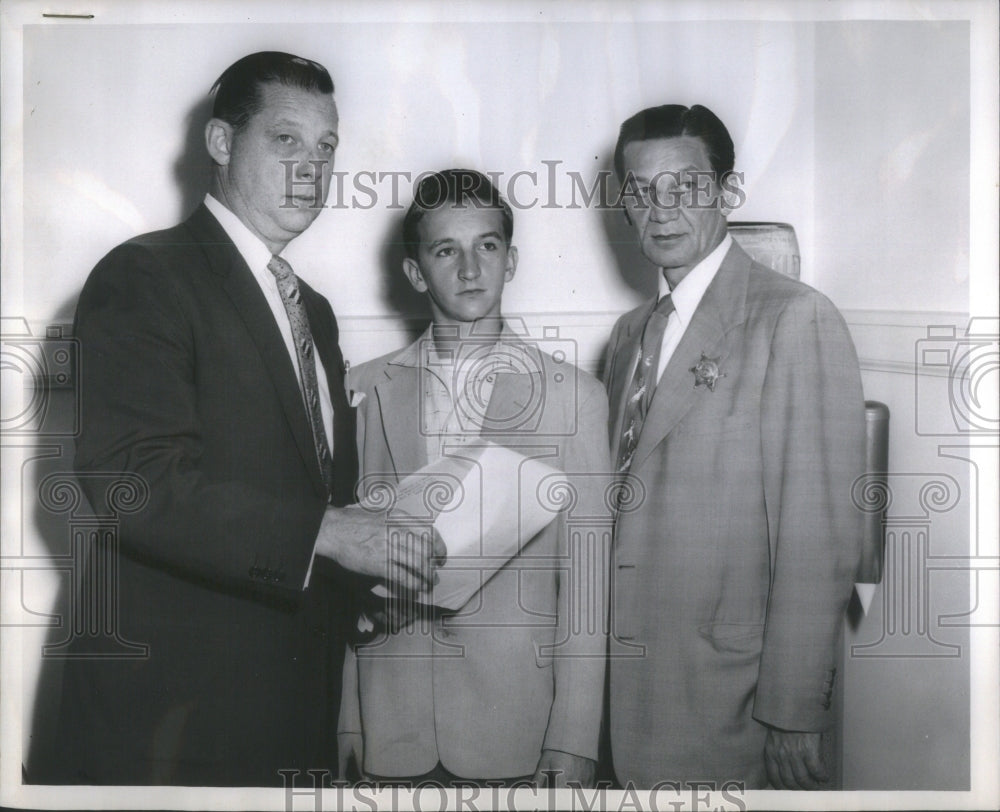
pixel 511 401
pixel 515 394
pixel 399 409
pixel 246 296
pixel 721 309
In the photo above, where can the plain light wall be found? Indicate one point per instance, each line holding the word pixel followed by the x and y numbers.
pixel 112 122
pixel 892 164
pixel 111 148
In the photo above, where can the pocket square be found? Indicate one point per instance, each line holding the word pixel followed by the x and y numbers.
pixel 356 399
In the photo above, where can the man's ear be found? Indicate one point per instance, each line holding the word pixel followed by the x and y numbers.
pixel 732 196
pixel 219 140
pixel 412 270
pixel 511 264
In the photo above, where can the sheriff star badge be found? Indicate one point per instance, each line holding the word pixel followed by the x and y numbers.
pixel 706 372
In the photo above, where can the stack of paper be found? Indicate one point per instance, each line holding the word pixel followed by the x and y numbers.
pixel 486 502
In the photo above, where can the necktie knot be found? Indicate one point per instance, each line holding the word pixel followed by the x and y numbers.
pixel 665 306
pixel 281 269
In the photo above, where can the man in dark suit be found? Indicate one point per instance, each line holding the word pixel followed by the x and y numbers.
pixel 199 375
pixel 736 403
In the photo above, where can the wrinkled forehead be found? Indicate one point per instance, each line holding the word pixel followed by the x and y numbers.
pixel 280 100
pixel 653 156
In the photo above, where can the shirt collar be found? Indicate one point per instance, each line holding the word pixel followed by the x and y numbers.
pixel 690 290
pixel 250 246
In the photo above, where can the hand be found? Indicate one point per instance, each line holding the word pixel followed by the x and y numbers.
pixel 794 760
pixel 360 540
pixel 397 611
pixel 559 769
pixel 350 745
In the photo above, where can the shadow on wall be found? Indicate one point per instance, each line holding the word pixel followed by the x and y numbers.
pixel 51 470
pixel 634 268
pixel 193 166
pixel 397 292
pixel 192 173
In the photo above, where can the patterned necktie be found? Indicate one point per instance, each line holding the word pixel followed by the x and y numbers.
pixel 640 393
pixel 291 298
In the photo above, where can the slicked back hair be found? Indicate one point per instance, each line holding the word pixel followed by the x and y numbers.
pixel 238 90
pixel 671 121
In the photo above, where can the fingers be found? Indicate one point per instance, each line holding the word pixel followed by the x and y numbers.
pixel 816 764
pixel 557 769
pixel 440 551
pixel 412 558
pixel 785 773
pixel 407 578
pixel 773 770
pixel 800 773
pixel 794 760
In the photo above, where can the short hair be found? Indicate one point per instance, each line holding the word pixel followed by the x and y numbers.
pixel 673 120
pixel 238 90
pixel 457 187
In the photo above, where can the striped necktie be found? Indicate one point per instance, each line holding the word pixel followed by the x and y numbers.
pixel 640 392
pixel 291 298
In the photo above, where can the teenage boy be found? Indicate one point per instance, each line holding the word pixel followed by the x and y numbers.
pixel 509 687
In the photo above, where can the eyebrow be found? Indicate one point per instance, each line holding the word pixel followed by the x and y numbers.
pixel 681 171
pixel 287 122
pixel 494 234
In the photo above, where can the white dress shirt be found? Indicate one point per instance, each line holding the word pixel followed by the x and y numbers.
pixel 448 384
pixel 256 255
pixel 686 297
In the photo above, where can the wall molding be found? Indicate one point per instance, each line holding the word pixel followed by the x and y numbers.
pixel 887 341
pixel 891 341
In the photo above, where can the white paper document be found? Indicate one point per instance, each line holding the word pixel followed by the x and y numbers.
pixel 486 502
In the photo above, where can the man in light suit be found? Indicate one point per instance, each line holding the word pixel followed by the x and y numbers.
pixel 200 379
pixel 736 404
pixel 509 687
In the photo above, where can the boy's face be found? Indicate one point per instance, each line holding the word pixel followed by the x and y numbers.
pixel 462 263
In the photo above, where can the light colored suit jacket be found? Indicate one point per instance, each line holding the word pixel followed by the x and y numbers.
pixel 521 667
pixel 732 573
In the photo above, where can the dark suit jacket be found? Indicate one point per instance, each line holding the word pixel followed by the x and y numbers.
pixel 186 382
pixel 732 570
